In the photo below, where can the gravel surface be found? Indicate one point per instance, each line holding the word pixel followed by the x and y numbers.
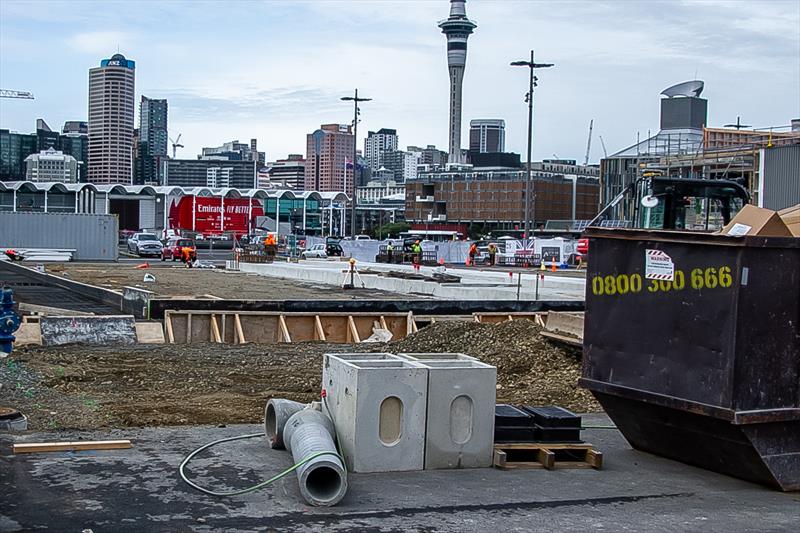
pixel 85 387
pixel 173 279
pixel 531 370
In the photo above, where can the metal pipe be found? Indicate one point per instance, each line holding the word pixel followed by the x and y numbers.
pixel 323 480
pixel 276 414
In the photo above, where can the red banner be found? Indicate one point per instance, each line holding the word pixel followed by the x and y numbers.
pixel 205 214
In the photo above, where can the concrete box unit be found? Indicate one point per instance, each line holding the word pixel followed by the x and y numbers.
pixel 459 430
pixel 426 356
pixel 378 407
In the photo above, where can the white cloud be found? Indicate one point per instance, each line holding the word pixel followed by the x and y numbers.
pixel 100 42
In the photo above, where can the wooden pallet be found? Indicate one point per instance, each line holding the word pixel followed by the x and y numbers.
pixel 509 456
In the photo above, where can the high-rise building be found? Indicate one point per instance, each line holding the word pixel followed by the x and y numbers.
pixel 111 110
pixel 429 155
pixel 153 141
pixel 487 135
pixel 235 151
pixel 51 166
pixel 45 137
pixel 289 173
pixel 75 142
pixel 457 27
pixel 376 143
pixel 329 151
pixel 402 164
pixel 14 148
pixel 210 173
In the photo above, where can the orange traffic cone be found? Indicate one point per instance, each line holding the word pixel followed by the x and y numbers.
pixel 143 265
pixel 553 267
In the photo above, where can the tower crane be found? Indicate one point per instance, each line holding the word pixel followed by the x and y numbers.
pixel 605 153
pixel 176 143
pixel 10 93
pixel 588 143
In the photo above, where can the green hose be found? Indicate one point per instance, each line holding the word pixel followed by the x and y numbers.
pixel 248 489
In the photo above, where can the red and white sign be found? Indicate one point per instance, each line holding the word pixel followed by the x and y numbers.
pixel 658 265
pixel 214 215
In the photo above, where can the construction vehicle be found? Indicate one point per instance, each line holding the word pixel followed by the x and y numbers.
pixel 668 203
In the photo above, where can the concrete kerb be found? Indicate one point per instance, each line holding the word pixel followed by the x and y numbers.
pixel 477 285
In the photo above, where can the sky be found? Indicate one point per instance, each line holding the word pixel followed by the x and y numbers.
pixel 275 70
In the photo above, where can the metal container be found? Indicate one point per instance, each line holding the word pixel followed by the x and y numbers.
pixel 692 346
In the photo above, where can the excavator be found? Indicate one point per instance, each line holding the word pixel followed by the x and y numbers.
pixel 670 200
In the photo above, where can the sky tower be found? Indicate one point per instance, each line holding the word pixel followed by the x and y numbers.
pixel 457 27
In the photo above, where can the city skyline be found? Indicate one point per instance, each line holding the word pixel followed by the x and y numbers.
pixel 266 74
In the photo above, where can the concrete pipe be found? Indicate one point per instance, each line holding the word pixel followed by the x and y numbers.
pixel 276 414
pixel 323 480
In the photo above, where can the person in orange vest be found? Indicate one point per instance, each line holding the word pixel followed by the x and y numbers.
pixel 473 251
pixel 270 240
pixel 186 256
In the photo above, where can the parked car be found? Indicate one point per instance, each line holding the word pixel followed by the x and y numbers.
pixel 172 250
pixel 143 244
pixel 318 250
pixel 332 246
pixel 363 238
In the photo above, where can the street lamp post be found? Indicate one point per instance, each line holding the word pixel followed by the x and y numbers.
pixel 355 99
pixel 529 209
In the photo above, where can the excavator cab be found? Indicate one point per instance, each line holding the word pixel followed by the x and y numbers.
pixel 686 204
pixel 690 204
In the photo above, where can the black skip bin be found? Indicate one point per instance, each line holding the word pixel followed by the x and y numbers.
pixel 692 346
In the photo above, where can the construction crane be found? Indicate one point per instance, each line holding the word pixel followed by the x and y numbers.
pixel 9 93
pixel 605 152
pixel 588 143
pixel 176 143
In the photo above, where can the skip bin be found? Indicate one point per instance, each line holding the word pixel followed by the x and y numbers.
pixel 692 346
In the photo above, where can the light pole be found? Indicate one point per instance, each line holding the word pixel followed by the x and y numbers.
pixel 529 98
pixel 355 99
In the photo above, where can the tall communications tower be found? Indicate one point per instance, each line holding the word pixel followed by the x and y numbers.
pixel 457 28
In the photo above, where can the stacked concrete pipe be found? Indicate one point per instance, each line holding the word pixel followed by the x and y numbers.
pixel 306 431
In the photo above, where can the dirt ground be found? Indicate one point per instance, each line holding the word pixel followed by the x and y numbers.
pixel 86 387
pixel 177 280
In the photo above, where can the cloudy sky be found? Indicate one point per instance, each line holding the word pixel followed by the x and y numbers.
pixel 275 70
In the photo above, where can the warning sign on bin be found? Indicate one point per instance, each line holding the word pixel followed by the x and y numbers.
pixel 658 265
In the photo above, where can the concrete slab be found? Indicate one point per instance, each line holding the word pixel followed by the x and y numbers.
pixel 150 333
pixel 475 284
pixel 28 333
pixel 138 489
pixel 58 330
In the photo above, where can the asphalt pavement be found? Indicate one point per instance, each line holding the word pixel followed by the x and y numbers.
pixel 139 489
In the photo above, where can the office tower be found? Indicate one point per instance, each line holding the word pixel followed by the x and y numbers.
pixel 111 109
